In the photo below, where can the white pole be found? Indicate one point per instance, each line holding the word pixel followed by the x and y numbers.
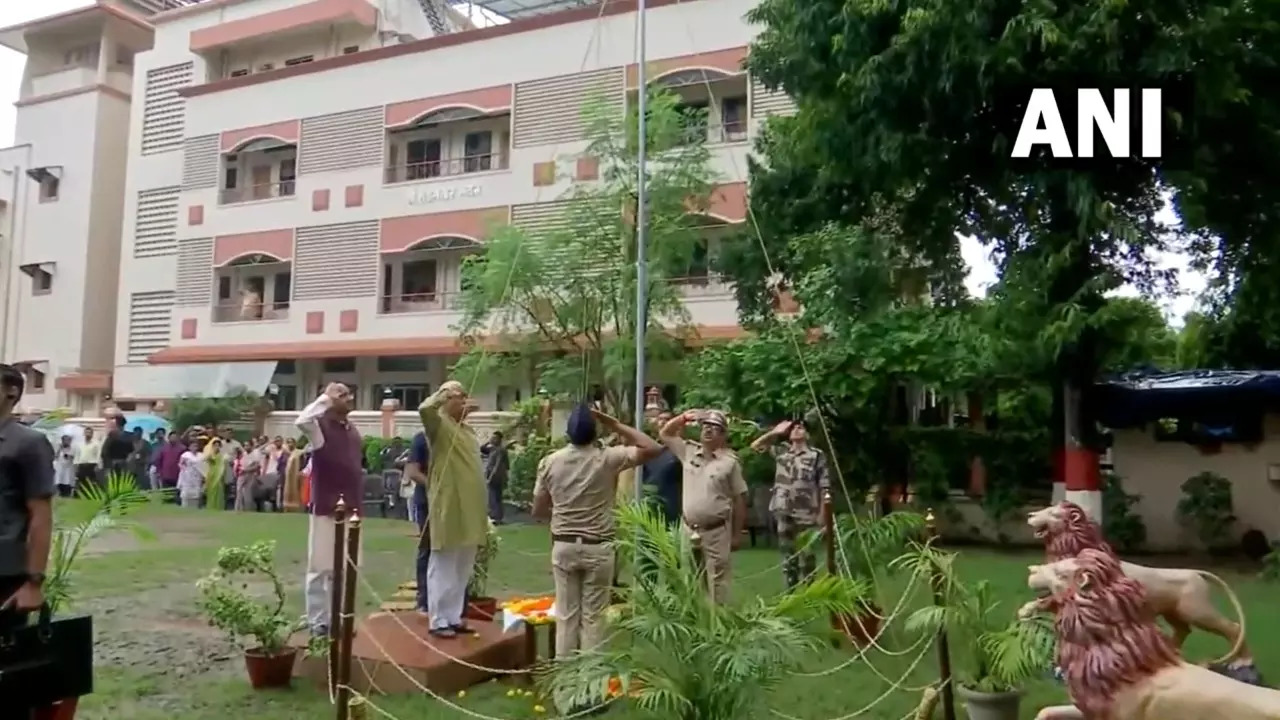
pixel 642 275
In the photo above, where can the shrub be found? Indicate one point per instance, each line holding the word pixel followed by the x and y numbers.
pixel 1206 508
pixel 1121 525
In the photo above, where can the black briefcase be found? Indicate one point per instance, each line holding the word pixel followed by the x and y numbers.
pixel 47 661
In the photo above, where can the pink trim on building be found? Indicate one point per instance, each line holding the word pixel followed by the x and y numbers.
pixel 349 321
pixel 320 200
pixel 315 322
pixel 729 202
pixel 402 233
pixel 727 61
pixel 353 196
pixel 276 243
pixel 288 131
pixel 189 328
pixel 484 100
pixel 590 13
pixel 313 14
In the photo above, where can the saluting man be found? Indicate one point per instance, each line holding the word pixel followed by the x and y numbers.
pixel 714 494
pixel 576 488
pixel 798 482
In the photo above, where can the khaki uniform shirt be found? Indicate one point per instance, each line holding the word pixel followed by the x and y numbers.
pixel 711 482
pixel 798 482
pixel 582 483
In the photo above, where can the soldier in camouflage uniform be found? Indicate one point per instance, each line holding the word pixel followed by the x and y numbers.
pixel 798 484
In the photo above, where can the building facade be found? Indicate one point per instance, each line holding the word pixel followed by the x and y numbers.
pixel 62 199
pixel 304 178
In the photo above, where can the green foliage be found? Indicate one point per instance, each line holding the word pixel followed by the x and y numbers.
pixel 573 282
pixel 681 656
pixel 524 467
pixel 868 544
pixel 227 600
pixel 478 583
pixel 1121 525
pixel 1206 508
pixel 1271 564
pixel 211 412
pixel 100 508
pixel 1001 656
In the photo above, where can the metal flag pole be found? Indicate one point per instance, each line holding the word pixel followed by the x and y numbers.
pixel 642 275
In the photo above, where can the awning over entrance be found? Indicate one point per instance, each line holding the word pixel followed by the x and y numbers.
pixel 205 379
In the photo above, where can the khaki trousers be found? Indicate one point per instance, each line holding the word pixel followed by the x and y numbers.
pixel 584 586
pixel 716 554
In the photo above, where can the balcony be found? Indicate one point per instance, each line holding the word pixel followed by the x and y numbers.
pixel 426 277
pixel 263 169
pixel 448 143
pixel 65 80
pixel 431 169
pixel 714 104
pixel 254 288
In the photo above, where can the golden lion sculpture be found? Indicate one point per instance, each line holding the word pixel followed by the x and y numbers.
pixel 1118 665
pixel 1181 597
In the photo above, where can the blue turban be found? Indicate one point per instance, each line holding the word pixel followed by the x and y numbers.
pixel 581 427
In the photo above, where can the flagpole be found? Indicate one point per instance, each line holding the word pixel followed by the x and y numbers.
pixel 642 275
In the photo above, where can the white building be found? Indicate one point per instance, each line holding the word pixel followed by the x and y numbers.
pixel 335 160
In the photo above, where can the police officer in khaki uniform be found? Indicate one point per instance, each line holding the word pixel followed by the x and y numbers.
pixel 798 484
pixel 714 494
pixel 576 488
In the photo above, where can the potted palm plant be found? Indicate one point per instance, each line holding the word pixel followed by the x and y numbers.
pixel 1001 656
pixel 867 545
pixel 99 508
pixel 260 626
pixel 480 606
pixel 679 655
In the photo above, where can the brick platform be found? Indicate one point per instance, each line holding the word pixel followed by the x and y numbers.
pixel 374 672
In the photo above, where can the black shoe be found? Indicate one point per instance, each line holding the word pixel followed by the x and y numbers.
pixel 462 629
pixel 443 633
pixel 320 631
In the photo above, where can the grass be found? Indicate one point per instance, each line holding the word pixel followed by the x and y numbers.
pixel 156 660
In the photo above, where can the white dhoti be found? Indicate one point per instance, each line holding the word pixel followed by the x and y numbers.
pixel 318 585
pixel 448 572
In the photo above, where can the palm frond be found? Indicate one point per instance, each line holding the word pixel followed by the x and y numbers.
pixel 677 653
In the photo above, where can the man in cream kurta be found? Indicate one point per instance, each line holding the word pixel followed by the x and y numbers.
pixel 457 522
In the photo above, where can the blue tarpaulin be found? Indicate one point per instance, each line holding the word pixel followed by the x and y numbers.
pixel 1215 398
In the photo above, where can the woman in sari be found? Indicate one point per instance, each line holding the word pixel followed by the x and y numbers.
pixel 215 492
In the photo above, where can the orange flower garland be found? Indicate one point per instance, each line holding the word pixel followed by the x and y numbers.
pixel 533 610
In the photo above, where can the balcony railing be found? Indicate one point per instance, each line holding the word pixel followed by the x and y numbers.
pixel 419 302
pixel 250 312
pixel 728 132
pixel 447 168
pixel 710 285
pixel 267 191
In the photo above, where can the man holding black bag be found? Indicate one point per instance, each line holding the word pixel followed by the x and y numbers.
pixel 26 513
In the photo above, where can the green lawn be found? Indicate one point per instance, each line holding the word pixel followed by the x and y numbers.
pixel 157 660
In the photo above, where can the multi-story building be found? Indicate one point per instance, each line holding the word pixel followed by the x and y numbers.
pixel 304 177
pixel 62 199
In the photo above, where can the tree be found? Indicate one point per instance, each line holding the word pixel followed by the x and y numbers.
pixel 913 106
pixel 211 412
pixel 565 297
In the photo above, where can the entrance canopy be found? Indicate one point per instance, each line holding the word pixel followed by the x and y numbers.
pixel 153 382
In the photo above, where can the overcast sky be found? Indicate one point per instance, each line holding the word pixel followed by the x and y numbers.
pixel 981 271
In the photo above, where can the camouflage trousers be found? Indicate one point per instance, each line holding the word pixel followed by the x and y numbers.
pixel 797 565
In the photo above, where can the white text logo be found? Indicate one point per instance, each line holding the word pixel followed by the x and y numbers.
pixel 1042 124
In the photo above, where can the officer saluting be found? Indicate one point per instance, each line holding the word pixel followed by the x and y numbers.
pixel 798 482
pixel 714 495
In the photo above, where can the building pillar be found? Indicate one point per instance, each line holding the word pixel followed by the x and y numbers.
pixel 1081 476
pixel 390 406
pixel 978 424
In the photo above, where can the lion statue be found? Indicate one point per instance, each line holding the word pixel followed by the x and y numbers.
pixel 1181 597
pixel 1118 665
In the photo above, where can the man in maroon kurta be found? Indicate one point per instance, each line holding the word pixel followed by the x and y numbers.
pixel 335 473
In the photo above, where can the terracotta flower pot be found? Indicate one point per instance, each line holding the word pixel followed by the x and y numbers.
pixel 61 710
pixel 482 609
pixel 268 670
pixel 861 628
